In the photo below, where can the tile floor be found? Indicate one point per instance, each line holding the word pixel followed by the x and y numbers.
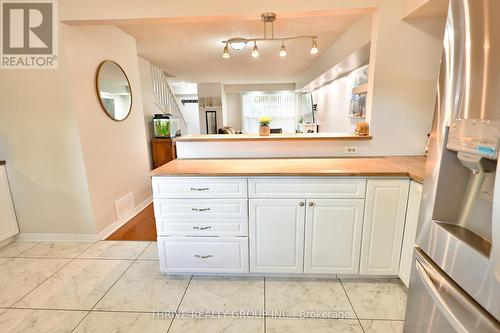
pixel 115 286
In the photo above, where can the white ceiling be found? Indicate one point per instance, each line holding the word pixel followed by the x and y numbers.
pixel 192 51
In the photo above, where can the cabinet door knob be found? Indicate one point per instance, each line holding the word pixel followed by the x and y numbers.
pixel 301 204
pixel 311 204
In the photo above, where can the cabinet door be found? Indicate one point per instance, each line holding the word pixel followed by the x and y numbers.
pixel 410 232
pixel 384 220
pixel 333 236
pixel 276 235
pixel 8 221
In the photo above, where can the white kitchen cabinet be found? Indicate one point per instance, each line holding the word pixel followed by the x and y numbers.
pixel 276 235
pixel 203 254
pixel 333 235
pixel 8 221
pixel 198 187
pixel 410 232
pixel 383 226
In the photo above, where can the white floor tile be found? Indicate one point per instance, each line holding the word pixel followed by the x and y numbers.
pixel 224 294
pixel 13 249
pixel 307 298
pixel 114 250
pixel 19 276
pixel 382 326
pixel 281 325
pixel 377 299
pixel 121 322
pixel 218 325
pixel 144 288
pixel 56 250
pixel 77 286
pixel 40 321
pixel 151 252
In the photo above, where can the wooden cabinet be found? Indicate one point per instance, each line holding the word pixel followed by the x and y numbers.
pixel 8 221
pixel 383 226
pixel 333 235
pixel 410 232
pixel 163 151
pixel 276 235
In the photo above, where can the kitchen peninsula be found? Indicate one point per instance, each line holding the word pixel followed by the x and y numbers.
pixel 275 145
pixel 293 216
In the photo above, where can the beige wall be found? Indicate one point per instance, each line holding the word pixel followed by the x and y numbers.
pixel 148 102
pixel 115 153
pixel 39 139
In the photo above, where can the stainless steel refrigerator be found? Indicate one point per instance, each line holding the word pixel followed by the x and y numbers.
pixel 455 279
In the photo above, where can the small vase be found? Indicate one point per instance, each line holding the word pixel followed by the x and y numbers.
pixel 264 130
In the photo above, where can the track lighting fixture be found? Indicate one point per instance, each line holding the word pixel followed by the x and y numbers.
pixel 238 43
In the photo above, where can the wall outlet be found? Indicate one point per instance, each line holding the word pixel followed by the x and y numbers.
pixel 124 206
pixel 351 149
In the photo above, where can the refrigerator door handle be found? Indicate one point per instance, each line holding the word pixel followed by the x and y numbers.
pixel 453 302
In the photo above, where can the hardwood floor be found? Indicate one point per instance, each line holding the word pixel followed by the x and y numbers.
pixel 142 227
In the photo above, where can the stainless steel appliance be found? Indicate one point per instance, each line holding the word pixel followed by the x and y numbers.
pixel 455 281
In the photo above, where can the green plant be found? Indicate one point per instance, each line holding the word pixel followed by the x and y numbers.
pixel 265 121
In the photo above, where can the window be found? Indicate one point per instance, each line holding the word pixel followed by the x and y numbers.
pixel 284 107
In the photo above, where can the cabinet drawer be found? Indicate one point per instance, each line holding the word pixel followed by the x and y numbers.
pixel 203 254
pixel 202 226
pixel 331 188
pixel 200 208
pixel 199 187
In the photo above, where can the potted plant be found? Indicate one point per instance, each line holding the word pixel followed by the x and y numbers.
pixel 264 129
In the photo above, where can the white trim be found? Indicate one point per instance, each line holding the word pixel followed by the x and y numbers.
pixel 117 224
pixel 39 237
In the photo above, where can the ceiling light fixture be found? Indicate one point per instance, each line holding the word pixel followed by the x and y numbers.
pixel 255 51
pixel 238 43
pixel 283 50
pixel 225 54
pixel 314 48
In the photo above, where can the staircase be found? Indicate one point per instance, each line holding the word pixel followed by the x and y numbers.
pixel 164 98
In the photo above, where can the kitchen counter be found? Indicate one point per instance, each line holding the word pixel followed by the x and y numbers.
pixel 272 137
pixel 404 166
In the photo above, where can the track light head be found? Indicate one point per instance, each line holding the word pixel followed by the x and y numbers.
pixel 314 48
pixel 225 53
pixel 255 51
pixel 283 50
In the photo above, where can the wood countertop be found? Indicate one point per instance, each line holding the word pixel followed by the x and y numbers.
pixel 272 137
pixel 404 166
pixel 2 162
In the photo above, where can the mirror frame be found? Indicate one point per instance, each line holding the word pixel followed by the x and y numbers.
pixel 99 94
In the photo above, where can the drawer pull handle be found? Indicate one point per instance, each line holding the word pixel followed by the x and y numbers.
pixel 202 228
pixel 199 256
pixel 200 188
pixel 200 209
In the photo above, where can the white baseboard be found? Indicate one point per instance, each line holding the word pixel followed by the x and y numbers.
pixel 40 237
pixel 35 237
pixel 117 224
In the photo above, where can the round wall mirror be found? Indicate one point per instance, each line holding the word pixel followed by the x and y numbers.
pixel 114 91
